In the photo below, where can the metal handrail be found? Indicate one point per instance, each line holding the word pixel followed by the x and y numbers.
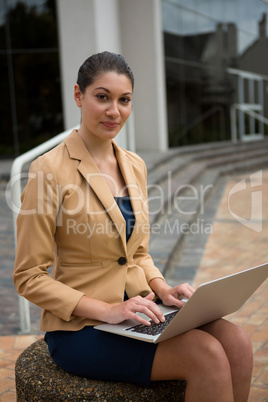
pixel 15 189
pixel 255 87
pixel 247 109
pixel 247 74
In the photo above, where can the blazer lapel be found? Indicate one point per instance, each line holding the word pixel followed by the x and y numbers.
pixel 91 173
pixel 134 193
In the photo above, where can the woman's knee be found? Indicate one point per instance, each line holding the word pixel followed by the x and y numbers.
pixel 209 361
pixel 214 355
pixel 244 340
pixel 241 347
pixel 235 341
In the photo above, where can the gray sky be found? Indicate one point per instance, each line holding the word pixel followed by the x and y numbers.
pixel 196 16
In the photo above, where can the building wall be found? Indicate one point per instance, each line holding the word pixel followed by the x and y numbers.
pixel 133 29
pixel 142 45
pixel 77 39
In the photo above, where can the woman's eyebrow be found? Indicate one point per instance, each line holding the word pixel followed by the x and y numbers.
pixel 107 90
pixel 104 89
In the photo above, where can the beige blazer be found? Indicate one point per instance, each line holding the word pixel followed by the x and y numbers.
pixel 70 220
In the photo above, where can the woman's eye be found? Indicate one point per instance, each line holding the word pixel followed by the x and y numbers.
pixel 102 96
pixel 125 99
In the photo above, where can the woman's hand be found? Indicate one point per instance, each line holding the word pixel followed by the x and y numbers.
pixel 171 296
pixel 128 309
pixel 174 296
pixel 116 313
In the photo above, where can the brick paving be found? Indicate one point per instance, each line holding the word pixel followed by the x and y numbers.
pixel 10 348
pixel 231 247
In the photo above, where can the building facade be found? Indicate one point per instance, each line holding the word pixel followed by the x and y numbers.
pixel 183 55
pixel 216 55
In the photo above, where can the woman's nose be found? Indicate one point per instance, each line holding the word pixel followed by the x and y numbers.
pixel 113 111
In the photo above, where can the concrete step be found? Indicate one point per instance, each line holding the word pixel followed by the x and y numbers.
pixel 154 160
pixel 161 195
pixel 180 191
pixel 169 231
pixel 172 176
pixel 186 257
pixel 248 165
pixel 229 155
pixel 237 157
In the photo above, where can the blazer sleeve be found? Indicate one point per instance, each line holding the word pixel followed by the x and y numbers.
pixel 36 226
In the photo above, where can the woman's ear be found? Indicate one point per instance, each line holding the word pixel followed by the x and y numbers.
pixel 77 95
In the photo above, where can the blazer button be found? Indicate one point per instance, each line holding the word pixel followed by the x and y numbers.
pixel 122 260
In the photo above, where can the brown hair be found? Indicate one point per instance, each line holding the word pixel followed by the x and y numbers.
pixel 102 63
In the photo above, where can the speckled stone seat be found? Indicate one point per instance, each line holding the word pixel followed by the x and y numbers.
pixel 38 378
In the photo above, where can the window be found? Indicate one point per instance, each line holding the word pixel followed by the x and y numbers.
pixel 31 108
pixel 203 39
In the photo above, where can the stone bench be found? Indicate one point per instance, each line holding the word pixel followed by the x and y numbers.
pixel 38 378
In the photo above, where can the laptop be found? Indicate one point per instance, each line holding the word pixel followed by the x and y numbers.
pixel 210 301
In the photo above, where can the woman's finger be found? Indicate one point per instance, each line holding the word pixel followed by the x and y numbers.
pixel 146 306
pixel 184 290
pixel 150 296
pixel 155 314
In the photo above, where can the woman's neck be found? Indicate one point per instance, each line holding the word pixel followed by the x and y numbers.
pixel 100 150
pixel 103 154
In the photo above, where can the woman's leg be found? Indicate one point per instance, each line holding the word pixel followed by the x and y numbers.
pixel 209 361
pixel 238 349
pixel 198 358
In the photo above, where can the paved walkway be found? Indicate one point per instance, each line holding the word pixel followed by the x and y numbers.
pixel 231 247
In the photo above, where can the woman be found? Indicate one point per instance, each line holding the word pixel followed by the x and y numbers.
pixel 84 212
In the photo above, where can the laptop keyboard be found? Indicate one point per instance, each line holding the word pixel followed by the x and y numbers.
pixel 153 329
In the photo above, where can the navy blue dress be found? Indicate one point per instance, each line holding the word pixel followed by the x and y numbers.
pixel 100 355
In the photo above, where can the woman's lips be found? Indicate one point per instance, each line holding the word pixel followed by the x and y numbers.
pixel 109 124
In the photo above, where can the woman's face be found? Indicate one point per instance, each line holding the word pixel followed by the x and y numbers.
pixel 105 105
